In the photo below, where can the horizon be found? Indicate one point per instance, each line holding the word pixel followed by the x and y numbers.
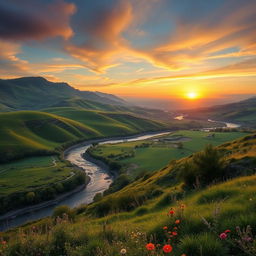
pixel 144 51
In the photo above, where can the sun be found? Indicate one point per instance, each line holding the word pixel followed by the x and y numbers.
pixel 192 95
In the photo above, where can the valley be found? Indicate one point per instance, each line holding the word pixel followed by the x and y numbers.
pixel 120 170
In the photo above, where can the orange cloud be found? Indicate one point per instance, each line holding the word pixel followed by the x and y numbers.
pixel 98 53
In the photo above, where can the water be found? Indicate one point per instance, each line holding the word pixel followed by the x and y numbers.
pixel 100 179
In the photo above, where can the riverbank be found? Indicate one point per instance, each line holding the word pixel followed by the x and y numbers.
pixel 28 209
pixel 100 140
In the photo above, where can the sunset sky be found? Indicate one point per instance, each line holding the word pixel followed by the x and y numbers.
pixel 136 48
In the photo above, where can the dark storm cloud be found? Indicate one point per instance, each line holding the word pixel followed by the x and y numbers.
pixel 22 20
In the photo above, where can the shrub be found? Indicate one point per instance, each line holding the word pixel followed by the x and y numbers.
pixel 62 210
pixel 203 168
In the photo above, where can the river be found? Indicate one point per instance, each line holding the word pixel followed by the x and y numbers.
pixel 100 180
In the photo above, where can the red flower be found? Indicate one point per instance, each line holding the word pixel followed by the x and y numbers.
pixel 171 212
pixel 175 228
pixel 4 242
pixel 177 221
pixel 174 233
pixel 150 247
pixel 167 248
pixel 223 236
pixel 227 231
pixel 165 227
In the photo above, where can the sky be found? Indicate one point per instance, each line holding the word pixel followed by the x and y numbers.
pixel 137 49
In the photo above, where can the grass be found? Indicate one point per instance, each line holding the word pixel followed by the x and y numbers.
pixel 137 158
pixel 203 213
pixel 30 173
pixel 32 132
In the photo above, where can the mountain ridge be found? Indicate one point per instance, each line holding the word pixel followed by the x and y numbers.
pixel 37 92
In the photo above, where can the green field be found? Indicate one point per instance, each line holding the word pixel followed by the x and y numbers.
pixel 30 173
pixel 136 158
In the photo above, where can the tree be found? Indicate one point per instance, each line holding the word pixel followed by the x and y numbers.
pixel 30 197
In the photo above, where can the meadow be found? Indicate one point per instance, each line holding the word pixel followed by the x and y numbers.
pixel 153 154
pixel 30 173
pixel 156 215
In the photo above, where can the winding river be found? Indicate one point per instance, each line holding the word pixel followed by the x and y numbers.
pixel 100 179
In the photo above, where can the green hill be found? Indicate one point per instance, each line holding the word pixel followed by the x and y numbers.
pixel 32 132
pixel 159 208
pixel 243 112
pixel 28 93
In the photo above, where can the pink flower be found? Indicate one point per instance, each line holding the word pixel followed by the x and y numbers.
pixel 223 236
pixel 227 231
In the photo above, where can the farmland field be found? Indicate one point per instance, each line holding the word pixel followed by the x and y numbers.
pixel 30 173
pixel 153 154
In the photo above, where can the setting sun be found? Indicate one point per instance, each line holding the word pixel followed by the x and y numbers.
pixel 192 95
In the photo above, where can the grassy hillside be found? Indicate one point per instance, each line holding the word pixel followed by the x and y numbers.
pixel 243 112
pixel 37 92
pixel 153 154
pixel 158 209
pixel 31 132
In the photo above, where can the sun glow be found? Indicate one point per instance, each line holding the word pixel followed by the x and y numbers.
pixel 192 95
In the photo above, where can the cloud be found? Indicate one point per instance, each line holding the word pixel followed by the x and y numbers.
pixel 105 41
pixel 227 32
pixel 35 20
pixel 9 62
pixel 240 69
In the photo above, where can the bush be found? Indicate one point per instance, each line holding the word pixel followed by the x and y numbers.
pixel 62 210
pixel 203 168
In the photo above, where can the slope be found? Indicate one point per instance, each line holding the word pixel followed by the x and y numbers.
pixel 32 132
pixel 243 112
pixel 37 92
pixel 157 209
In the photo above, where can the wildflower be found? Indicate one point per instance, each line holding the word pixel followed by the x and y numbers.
pixel 171 212
pixel 227 231
pixel 150 247
pixel 177 221
pixel 165 227
pixel 175 228
pixel 123 251
pixel 174 233
pixel 223 236
pixel 167 248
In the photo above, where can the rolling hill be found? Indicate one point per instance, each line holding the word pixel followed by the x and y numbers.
pixel 243 112
pixel 33 132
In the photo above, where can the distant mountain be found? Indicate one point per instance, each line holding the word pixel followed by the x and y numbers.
pixel 37 92
pixel 243 112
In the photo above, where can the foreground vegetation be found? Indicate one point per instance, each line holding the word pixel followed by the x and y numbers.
pixel 160 213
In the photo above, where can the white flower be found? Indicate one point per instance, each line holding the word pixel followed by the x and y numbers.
pixel 123 251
